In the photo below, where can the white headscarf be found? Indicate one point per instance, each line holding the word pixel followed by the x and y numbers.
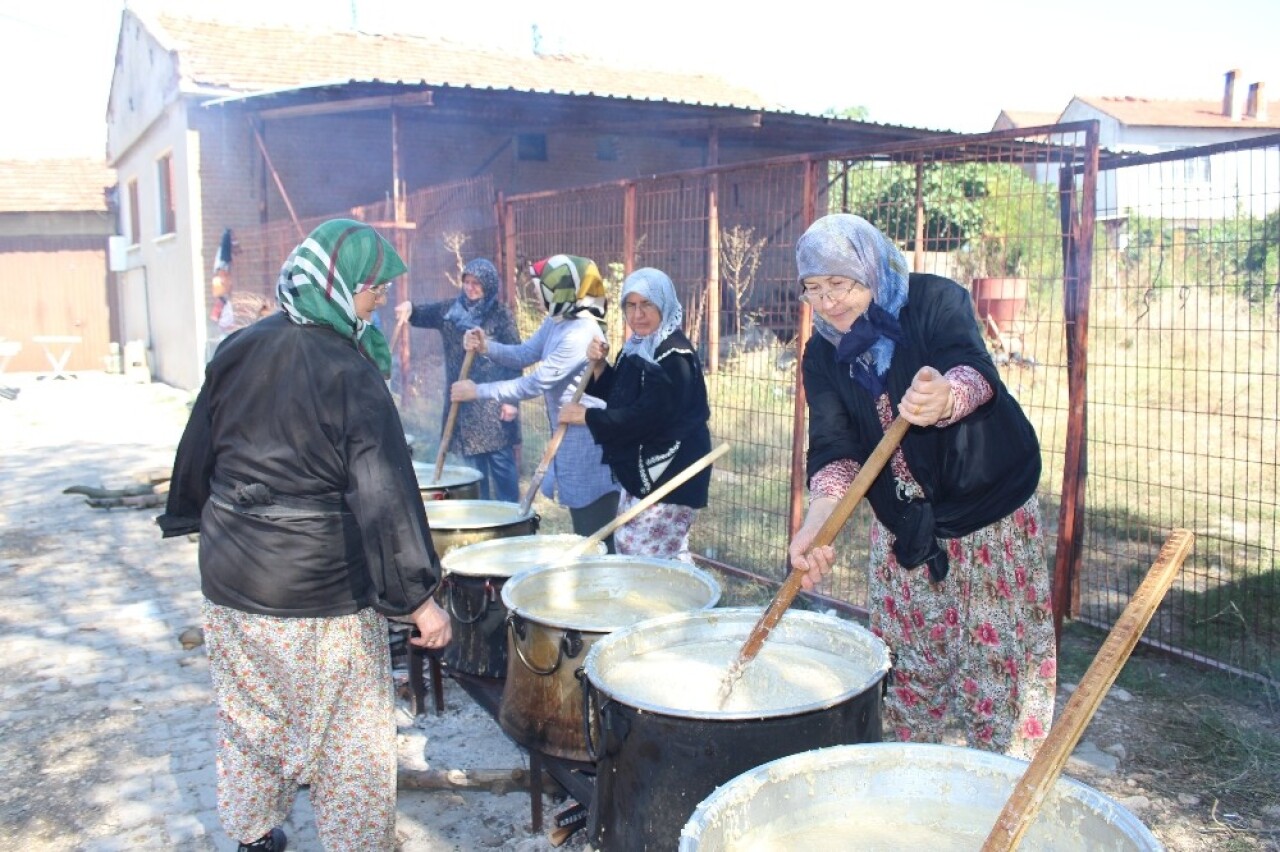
pixel 654 285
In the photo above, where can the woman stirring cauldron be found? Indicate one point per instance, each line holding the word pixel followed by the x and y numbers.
pixel 293 468
pixel 573 293
pixel 958 588
pixel 654 424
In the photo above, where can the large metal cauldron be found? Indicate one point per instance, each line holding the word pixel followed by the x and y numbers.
pixel 456 482
pixel 457 523
pixel 471 592
pixel 891 796
pixel 664 742
pixel 557 613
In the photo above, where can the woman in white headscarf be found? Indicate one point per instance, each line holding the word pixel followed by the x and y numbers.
pixel 958 588
pixel 654 424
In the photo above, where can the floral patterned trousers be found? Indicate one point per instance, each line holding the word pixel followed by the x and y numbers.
pixel 978 647
pixel 661 531
pixel 304 701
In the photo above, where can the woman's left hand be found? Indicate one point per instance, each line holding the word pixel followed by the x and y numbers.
pixel 928 400
pixel 573 414
pixel 508 412
pixel 462 391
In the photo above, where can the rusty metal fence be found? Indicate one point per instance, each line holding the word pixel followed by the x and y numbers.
pixel 1131 304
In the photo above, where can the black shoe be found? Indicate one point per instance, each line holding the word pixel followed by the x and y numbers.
pixel 273 841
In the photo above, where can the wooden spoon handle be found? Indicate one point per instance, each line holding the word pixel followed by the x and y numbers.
pixel 1027 797
pixel 453 418
pixel 826 534
pixel 553 445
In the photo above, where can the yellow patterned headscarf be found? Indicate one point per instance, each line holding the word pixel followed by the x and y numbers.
pixel 570 286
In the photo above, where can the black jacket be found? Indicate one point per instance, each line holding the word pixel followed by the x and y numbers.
pixel 973 472
pixel 294 469
pixel 656 415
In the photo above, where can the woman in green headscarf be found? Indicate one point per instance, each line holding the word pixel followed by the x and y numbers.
pixel 294 470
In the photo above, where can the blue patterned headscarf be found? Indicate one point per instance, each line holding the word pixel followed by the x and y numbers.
pixel 851 247
pixel 654 285
pixel 465 313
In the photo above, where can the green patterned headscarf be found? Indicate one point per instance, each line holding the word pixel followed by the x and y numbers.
pixel 317 283
pixel 570 286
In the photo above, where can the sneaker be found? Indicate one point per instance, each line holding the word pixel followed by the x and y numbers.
pixel 273 841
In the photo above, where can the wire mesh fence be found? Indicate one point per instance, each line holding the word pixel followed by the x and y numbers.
pixel 1129 302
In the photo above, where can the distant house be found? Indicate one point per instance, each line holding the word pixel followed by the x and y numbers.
pixel 54 224
pixel 213 126
pixel 1137 125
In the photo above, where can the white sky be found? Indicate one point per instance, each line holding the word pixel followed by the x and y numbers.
pixel 951 64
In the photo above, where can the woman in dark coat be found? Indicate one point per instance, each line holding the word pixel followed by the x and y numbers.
pixel 487 430
pixel 654 423
pixel 958 588
pixel 294 470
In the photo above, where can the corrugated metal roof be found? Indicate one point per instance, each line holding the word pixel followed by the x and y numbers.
pixel 54 185
pixel 1150 112
pixel 243 58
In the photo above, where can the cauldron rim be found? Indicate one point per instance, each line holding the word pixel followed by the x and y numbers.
pixel 749 616
pixel 746 786
pixel 449 562
pixel 512 586
pixel 458 506
pixel 451 475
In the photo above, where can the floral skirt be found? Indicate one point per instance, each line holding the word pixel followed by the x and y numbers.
pixel 304 701
pixel 977 648
pixel 660 531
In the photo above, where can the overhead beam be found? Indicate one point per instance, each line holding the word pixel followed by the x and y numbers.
pixel 416 99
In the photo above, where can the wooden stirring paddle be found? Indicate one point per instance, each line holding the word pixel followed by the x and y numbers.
pixel 552 446
pixel 453 418
pixel 1029 794
pixel 826 534
pixel 649 499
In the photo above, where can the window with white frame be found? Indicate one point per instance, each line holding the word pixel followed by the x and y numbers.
pixel 135 217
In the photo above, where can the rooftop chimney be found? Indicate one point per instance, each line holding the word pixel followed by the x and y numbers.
pixel 1256 107
pixel 1230 103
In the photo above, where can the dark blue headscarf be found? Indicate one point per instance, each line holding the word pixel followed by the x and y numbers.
pixel 465 313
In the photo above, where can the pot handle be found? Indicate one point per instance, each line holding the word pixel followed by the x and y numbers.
pixel 451 605
pixel 516 626
pixel 590 710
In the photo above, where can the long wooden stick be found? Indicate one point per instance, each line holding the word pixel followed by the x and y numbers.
pixel 652 497
pixel 1027 797
pixel 453 418
pixel 826 534
pixel 553 445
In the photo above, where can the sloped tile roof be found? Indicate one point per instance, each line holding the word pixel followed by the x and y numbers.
pixel 54 185
pixel 1029 118
pixel 1149 112
pixel 241 58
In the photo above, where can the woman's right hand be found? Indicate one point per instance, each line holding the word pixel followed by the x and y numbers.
pixel 474 341
pixel 404 310
pixel 816 562
pixel 597 349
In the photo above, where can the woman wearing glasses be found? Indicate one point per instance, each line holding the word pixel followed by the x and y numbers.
pixel 294 470
pixel 487 431
pixel 958 587
pixel 654 424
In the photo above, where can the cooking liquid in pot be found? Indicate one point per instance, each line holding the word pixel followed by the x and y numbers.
pixel 600 608
pixel 782 675
pixel 841 834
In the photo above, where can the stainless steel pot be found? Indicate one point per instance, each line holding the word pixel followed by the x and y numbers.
pixel 456 482
pixel 557 613
pixel 457 523
pixel 895 796
pixel 471 593
pixel 663 741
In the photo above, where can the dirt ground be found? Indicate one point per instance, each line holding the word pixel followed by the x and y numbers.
pixel 1195 756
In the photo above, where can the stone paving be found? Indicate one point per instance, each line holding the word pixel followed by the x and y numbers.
pixel 106 720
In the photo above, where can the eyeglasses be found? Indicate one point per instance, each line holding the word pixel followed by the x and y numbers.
pixel 380 290
pixel 634 307
pixel 831 294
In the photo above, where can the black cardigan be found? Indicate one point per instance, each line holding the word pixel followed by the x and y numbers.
pixel 973 472
pixel 294 417
pixel 655 413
